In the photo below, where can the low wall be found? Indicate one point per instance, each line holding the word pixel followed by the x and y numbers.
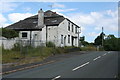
pixel 8 43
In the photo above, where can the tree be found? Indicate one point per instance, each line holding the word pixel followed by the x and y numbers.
pixel 83 42
pixel 111 43
pixel 98 40
pixel 82 38
pixel 9 33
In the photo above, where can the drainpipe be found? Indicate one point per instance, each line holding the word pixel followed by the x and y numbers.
pixel 30 37
pixel 78 37
pixel 46 33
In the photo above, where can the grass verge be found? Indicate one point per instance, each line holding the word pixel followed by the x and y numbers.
pixel 30 55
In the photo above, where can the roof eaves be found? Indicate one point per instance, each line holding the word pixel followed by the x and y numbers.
pixel 73 22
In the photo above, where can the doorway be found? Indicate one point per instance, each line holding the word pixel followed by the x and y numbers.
pixel 65 41
pixel 72 40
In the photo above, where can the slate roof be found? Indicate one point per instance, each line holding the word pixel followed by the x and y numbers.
pixel 30 23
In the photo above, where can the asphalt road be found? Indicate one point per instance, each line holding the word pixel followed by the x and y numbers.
pixel 102 64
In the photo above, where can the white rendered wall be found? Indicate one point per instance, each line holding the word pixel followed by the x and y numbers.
pixel 63 30
pixel 52 34
pixel 36 37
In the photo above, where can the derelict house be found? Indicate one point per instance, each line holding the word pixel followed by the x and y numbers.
pixel 47 26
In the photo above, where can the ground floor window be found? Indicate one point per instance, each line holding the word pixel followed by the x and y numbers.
pixel 24 34
pixel 61 39
pixel 68 38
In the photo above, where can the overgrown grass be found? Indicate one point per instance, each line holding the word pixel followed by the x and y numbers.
pixel 29 54
pixel 9 56
pixel 88 48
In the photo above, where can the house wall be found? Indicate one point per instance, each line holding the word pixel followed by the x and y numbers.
pixel 37 37
pixel 52 34
pixel 63 30
pixel 43 34
pixel 8 43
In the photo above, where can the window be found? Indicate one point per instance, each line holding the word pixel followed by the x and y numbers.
pixel 68 38
pixel 24 35
pixel 72 28
pixel 68 26
pixel 61 39
pixel 76 29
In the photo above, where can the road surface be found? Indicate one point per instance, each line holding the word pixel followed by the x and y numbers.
pixel 103 64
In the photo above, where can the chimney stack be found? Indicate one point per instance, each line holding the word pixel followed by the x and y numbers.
pixel 40 18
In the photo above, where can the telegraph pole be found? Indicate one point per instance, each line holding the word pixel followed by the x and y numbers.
pixel 102 36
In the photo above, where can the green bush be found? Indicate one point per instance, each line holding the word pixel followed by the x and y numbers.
pixel 16 47
pixel 50 44
pixel 9 33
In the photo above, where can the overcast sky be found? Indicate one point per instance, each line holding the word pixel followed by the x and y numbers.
pixel 91 16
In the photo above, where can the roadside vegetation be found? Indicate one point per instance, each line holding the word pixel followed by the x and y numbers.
pixel 88 48
pixel 101 43
pixel 110 43
pixel 9 33
pixel 30 54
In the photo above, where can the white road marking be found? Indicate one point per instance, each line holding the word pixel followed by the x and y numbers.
pixel 104 54
pixel 80 66
pixel 97 58
pixel 56 77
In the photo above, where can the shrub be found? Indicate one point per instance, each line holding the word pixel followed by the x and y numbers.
pixel 88 48
pixel 16 47
pixel 9 33
pixel 50 44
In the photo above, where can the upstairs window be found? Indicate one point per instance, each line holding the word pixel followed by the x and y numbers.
pixel 24 34
pixel 72 28
pixel 68 26
pixel 76 29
